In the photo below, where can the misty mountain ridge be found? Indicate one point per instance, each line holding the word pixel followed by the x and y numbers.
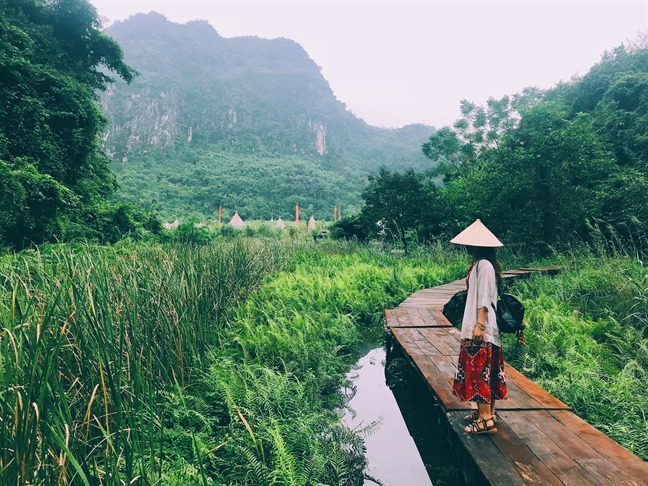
pixel 207 113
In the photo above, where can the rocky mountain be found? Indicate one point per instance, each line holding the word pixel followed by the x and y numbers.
pixel 207 115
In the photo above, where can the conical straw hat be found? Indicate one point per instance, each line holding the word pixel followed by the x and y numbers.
pixel 476 235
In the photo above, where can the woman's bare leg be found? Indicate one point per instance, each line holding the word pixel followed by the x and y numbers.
pixel 484 410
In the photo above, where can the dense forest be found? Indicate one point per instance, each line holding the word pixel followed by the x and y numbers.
pixel 247 123
pixel 55 180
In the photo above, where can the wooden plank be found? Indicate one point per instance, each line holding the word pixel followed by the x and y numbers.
pixel 407 337
pixel 435 303
pixel 432 294
pixel 543 397
pixel 447 366
pixel 439 384
pixel 412 317
pixel 523 460
pixel 633 467
pixel 560 464
pixel 439 380
pixel 416 318
pixel 440 318
pixel 518 399
pixel 454 331
pixel 601 468
pixel 515 273
pixel 391 319
pixel 428 349
pixel 446 343
pixel 404 319
pixel 495 465
pixel 550 270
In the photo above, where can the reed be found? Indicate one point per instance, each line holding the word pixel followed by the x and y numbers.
pixel 91 336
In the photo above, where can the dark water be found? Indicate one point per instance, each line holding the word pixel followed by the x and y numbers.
pixel 403 438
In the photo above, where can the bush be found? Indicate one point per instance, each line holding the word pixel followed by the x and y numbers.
pixel 194 232
pixel 353 227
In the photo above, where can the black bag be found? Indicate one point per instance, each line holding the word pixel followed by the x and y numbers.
pixel 510 314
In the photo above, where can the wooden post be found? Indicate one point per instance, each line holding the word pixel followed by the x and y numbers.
pixel 297 215
pixel 220 209
pixel 334 213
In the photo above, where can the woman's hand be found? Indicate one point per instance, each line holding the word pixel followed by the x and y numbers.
pixel 478 334
pixel 480 325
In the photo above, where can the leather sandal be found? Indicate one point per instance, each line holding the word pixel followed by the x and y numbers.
pixel 481 427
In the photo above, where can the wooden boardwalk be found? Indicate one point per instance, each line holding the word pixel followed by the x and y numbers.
pixel 538 441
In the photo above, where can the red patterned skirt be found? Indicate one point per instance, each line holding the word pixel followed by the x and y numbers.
pixel 480 373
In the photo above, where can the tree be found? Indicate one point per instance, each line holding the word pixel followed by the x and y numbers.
pixel 398 204
pixel 53 59
pixel 353 227
pixel 549 177
pixel 622 118
pixel 462 148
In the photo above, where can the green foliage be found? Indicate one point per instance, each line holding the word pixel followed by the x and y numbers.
pixel 53 57
pixel 553 172
pixel 400 208
pixel 107 224
pixel 192 232
pixel 400 204
pixel 354 227
pixel 462 149
pixel 91 339
pixel 30 203
pixel 257 186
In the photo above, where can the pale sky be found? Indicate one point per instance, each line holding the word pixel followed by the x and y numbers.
pixel 399 62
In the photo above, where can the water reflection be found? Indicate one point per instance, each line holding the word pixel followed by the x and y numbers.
pixel 400 424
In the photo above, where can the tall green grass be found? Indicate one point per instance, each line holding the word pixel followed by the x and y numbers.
pixel 587 342
pixel 89 339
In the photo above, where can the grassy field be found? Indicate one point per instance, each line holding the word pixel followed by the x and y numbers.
pixel 223 363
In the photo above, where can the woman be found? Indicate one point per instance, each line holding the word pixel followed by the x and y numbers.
pixel 480 370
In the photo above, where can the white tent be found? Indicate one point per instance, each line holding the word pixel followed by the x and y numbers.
pixel 311 223
pixel 280 224
pixel 237 221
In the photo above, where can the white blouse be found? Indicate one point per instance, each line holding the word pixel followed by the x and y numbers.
pixel 482 282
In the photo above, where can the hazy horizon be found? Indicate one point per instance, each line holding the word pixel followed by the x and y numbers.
pixel 399 63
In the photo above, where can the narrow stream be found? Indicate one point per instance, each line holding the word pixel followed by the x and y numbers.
pixel 404 445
